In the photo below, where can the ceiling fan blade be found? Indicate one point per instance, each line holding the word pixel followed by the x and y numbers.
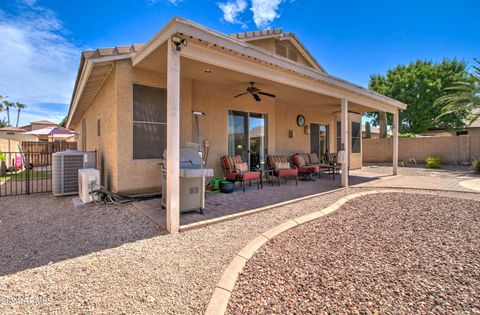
pixel 241 94
pixel 256 97
pixel 267 94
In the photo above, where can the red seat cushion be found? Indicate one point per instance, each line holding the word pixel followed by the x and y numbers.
pixel 308 169
pixel 250 175
pixel 290 172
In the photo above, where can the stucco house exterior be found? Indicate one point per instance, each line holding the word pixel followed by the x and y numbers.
pixel 130 103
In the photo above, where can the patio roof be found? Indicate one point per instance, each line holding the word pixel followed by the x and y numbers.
pixel 96 65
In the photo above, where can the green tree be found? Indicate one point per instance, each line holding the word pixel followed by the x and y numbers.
pixel 63 122
pixel 19 107
pixel 368 130
pixel 418 85
pixel 7 105
pixel 463 96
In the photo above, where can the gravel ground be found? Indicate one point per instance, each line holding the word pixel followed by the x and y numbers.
pixel 111 260
pixel 389 253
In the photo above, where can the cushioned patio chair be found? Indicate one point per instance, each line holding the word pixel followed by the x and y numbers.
pixel 302 163
pixel 307 164
pixel 236 170
pixel 282 168
pixel 331 159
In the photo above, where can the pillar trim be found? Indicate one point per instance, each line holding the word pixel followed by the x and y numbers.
pixel 173 140
pixel 345 141
pixel 395 128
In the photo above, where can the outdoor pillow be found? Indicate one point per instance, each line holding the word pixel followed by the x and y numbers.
pixel 313 158
pixel 241 167
pixel 299 160
pixel 282 165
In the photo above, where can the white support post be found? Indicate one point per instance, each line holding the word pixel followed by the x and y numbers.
pixel 173 139
pixel 395 142
pixel 345 141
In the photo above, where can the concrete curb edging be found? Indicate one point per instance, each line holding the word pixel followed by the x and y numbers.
pixel 221 294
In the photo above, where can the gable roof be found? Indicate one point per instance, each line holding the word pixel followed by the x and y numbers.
pixel 43 122
pixel 279 34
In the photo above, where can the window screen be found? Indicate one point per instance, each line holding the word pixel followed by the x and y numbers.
pixel 149 122
pixel 339 136
pixel 281 50
pixel 356 137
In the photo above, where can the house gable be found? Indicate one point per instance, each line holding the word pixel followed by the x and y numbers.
pixel 282 44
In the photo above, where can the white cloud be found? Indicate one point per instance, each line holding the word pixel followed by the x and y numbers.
pixel 174 2
pixel 232 9
pixel 264 12
pixel 38 62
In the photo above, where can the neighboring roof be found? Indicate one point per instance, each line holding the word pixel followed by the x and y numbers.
pixel 278 33
pixel 43 122
pixel 476 123
pixel 13 129
pixel 50 131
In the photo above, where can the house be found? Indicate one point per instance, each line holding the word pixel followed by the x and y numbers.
pixel 130 103
pixel 35 125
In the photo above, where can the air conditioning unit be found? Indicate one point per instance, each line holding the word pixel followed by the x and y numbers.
pixel 88 181
pixel 65 166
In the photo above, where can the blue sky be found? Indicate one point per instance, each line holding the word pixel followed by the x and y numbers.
pixel 41 40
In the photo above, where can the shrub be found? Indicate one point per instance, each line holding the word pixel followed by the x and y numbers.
pixel 476 166
pixel 2 157
pixel 433 162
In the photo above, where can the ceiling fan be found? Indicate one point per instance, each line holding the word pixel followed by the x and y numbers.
pixel 253 91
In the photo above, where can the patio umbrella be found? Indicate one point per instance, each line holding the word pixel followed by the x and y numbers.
pixel 54 132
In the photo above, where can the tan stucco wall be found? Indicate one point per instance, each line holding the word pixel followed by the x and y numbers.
pixel 286 119
pixel 140 176
pixel 450 149
pixel 103 107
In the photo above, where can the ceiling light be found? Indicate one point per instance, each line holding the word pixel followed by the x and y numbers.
pixel 208 71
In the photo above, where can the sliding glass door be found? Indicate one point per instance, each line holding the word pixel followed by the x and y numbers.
pixel 247 136
pixel 319 139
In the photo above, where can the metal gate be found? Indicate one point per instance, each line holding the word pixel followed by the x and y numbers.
pixel 24 173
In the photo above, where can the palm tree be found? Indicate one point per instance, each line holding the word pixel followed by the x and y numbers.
pixel 7 104
pixel 464 96
pixel 19 107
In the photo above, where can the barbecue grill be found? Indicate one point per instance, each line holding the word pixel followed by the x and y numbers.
pixel 192 180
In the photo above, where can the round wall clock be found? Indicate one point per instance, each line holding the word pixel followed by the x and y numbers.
pixel 301 120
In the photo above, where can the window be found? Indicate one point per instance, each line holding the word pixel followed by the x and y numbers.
pixel 356 138
pixel 84 135
pixel 98 128
pixel 149 122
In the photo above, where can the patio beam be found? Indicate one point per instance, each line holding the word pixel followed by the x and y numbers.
pixel 345 141
pixel 395 142
pixel 173 139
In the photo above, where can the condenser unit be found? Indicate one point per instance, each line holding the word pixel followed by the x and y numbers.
pixel 65 166
pixel 88 181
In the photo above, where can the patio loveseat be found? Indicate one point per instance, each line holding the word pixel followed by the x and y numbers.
pixel 282 167
pixel 308 164
pixel 236 170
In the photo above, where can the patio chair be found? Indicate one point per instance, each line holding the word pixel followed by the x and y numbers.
pixel 331 159
pixel 236 170
pixel 305 167
pixel 282 168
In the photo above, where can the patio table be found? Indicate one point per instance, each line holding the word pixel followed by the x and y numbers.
pixel 334 168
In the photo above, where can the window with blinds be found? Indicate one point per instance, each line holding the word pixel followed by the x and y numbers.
pixel 149 122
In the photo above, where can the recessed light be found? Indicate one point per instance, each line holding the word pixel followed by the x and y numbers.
pixel 208 71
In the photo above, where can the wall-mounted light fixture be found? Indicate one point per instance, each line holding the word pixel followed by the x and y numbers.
pixel 179 42
pixel 306 129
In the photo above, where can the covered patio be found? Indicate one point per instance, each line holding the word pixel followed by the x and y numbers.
pixel 213 68
pixel 221 207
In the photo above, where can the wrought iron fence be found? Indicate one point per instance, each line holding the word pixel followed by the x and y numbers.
pixel 24 173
